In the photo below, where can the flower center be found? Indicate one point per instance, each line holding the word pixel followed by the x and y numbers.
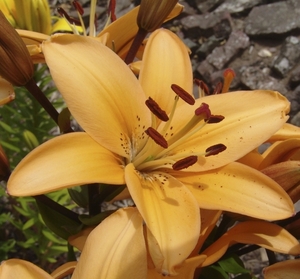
pixel 160 149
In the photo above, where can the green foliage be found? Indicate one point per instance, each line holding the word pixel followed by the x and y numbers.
pixel 228 267
pixel 24 123
pixel 23 229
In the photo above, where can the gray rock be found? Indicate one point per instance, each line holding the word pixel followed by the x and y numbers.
pixel 205 70
pixel 295 76
pixel 254 77
pixel 205 6
pixel 272 19
pixel 294 97
pixel 233 6
pixel 289 56
pixel 220 56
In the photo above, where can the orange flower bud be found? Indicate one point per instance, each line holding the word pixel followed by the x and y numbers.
pixel 152 13
pixel 287 175
pixel 15 62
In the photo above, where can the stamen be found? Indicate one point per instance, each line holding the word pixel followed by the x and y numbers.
pixel 203 111
pixel 183 94
pixel 70 19
pixel 185 163
pixel 218 88
pixel 112 10
pixel 215 149
pixel 156 110
pixel 229 75
pixel 80 12
pixel 157 137
pixel 215 119
pixel 78 7
pixel 203 88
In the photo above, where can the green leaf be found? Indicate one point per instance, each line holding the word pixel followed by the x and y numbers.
pixel 60 224
pixel 232 264
pixel 95 220
pixel 10 146
pixel 7 128
pixel 50 236
pixel 213 272
pixel 80 195
pixel 28 224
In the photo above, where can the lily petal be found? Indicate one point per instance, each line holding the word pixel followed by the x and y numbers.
pixel 74 159
pixel 279 152
pixel 64 270
pixel 287 269
pixel 15 268
pixel 261 233
pixel 184 271
pixel 287 131
pixel 168 207
pixel 98 81
pixel 165 62
pixel 252 159
pixel 209 218
pixel 78 240
pixel 251 117
pixel 119 254
pixel 240 189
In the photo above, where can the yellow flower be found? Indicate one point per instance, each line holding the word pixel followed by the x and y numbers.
pixel 31 15
pixel 287 269
pixel 125 143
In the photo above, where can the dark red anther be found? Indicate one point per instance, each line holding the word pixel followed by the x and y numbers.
pixel 156 110
pixel 157 137
pixel 202 85
pixel 218 88
pixel 215 119
pixel 78 7
pixel 112 10
pixel 185 163
pixel 70 19
pixel 203 111
pixel 183 94
pixel 215 149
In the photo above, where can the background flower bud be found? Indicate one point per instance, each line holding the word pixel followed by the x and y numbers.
pixel 152 13
pixel 15 62
pixel 33 15
pixel 287 175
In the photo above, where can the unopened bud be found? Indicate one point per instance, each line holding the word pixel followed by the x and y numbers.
pixel 4 166
pixel 15 61
pixel 152 13
pixel 33 15
pixel 287 175
pixel 30 139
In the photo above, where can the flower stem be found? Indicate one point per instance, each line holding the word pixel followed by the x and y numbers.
pixel 138 40
pixel 93 193
pixel 37 93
